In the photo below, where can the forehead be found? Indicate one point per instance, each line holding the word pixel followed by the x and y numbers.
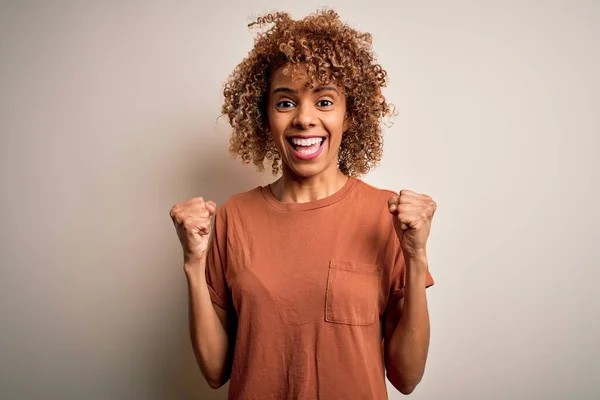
pixel 296 77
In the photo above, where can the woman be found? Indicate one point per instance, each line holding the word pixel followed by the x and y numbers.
pixel 312 287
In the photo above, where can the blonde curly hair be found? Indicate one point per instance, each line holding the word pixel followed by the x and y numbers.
pixel 330 51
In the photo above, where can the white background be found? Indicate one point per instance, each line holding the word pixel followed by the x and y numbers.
pixel 109 115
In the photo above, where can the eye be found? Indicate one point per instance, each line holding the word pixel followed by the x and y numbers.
pixel 285 104
pixel 324 103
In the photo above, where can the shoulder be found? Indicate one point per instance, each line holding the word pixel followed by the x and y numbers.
pixel 371 204
pixel 371 211
pixel 242 202
pixel 370 192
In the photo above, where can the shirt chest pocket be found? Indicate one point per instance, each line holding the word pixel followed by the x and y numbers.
pixel 352 293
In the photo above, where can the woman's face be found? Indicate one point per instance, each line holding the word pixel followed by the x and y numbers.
pixel 306 123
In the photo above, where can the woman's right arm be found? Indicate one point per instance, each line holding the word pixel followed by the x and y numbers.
pixel 209 327
pixel 212 329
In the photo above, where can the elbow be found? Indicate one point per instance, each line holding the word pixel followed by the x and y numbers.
pixel 406 390
pixel 215 374
pixel 215 384
pixel 403 384
pixel 216 380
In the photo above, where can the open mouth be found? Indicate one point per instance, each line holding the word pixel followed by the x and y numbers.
pixel 306 148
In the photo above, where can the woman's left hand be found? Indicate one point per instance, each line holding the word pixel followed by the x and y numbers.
pixel 412 213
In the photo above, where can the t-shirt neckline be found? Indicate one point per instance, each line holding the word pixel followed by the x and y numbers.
pixel 310 205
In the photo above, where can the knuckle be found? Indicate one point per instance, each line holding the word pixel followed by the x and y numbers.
pixel 188 220
pixel 194 201
pixel 176 217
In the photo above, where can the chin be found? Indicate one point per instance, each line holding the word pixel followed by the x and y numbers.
pixel 309 169
pixel 307 172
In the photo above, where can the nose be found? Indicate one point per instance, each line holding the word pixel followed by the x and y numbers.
pixel 304 117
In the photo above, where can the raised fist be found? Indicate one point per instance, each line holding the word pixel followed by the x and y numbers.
pixel 413 214
pixel 192 222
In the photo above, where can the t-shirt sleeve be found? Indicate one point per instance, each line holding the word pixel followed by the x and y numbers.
pixel 398 278
pixel 216 262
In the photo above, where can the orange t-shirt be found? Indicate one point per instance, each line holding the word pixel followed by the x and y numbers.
pixel 309 284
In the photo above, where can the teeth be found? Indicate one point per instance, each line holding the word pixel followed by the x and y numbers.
pixel 306 142
pixel 307 152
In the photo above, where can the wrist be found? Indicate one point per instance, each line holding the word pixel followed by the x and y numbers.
pixel 194 259
pixel 416 266
pixel 194 268
pixel 195 277
pixel 417 259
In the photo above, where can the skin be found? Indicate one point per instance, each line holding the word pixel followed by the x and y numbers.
pixel 294 109
pixel 211 327
pixel 406 326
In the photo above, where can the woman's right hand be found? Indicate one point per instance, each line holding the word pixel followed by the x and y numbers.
pixel 192 222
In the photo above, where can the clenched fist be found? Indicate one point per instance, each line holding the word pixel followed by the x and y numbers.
pixel 192 222
pixel 413 213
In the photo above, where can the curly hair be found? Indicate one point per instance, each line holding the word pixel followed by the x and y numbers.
pixel 330 51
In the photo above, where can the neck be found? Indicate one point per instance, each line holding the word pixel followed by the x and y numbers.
pixel 291 188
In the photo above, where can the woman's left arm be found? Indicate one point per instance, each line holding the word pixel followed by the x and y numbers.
pixel 407 322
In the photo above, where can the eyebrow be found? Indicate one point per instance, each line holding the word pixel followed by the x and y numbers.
pixel 316 90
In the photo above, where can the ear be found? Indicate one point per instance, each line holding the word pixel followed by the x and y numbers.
pixel 347 123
